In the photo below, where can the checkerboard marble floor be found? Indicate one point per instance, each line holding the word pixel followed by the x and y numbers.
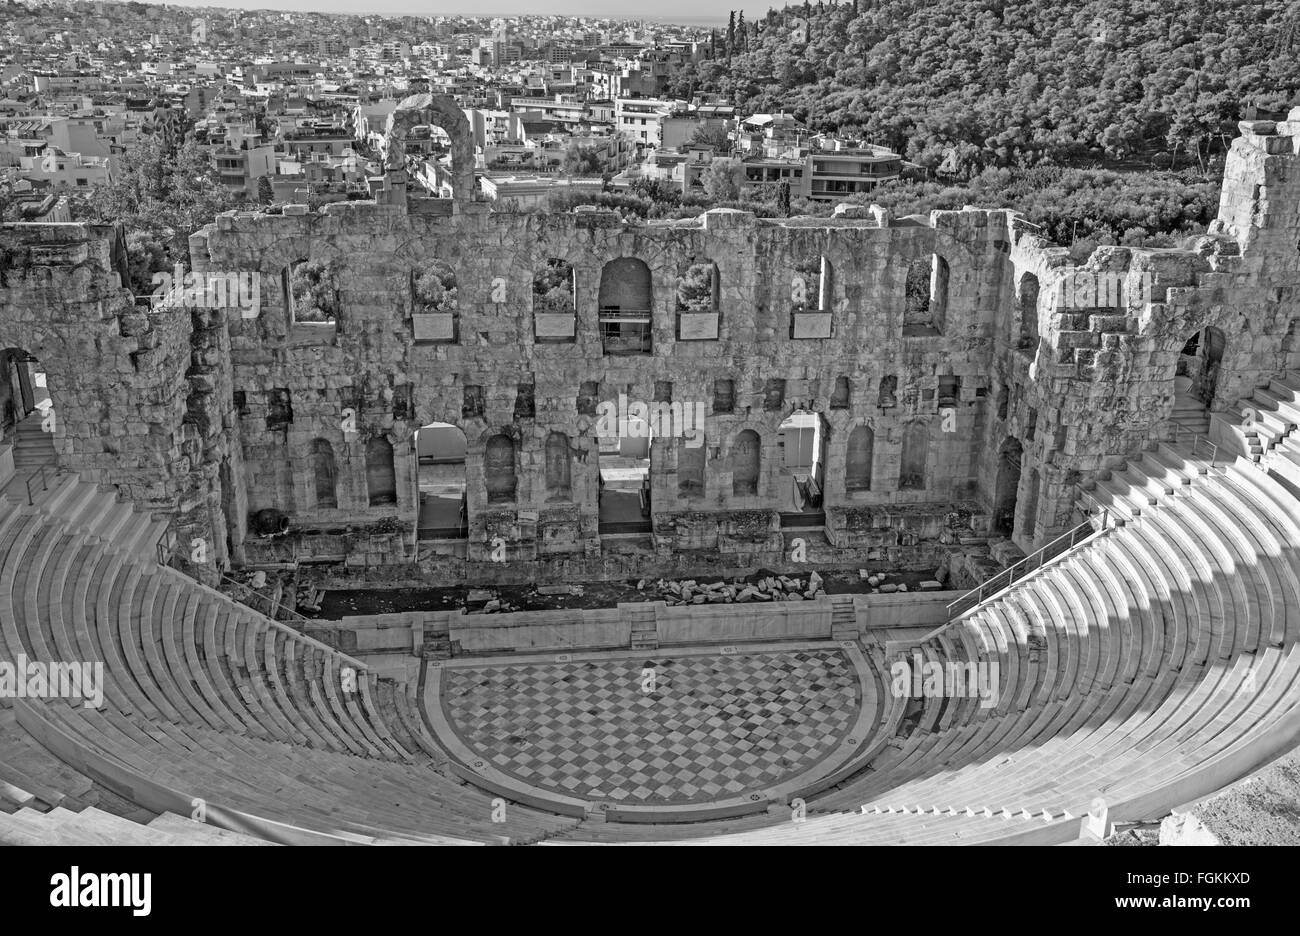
pixel 713 727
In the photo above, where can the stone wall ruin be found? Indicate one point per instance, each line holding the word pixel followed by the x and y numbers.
pixel 210 415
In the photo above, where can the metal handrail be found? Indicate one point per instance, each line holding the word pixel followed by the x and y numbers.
pixel 621 315
pixel 31 477
pixel 1197 440
pixel 165 556
pixel 987 589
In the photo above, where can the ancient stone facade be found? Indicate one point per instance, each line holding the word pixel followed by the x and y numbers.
pixel 966 385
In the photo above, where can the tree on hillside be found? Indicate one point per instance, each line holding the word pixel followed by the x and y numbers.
pixel 715 136
pixel 583 160
pixel 724 179
pixel 165 193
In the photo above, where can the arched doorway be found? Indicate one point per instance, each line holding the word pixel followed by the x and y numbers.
pixel 27 416
pixel 626 301
pixel 1196 378
pixel 440 482
pixel 1006 486
pixel 802 441
pixel 625 440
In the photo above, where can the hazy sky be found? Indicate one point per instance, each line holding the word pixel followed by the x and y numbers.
pixel 686 11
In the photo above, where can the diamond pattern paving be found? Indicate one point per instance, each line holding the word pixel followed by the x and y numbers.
pixel 713 727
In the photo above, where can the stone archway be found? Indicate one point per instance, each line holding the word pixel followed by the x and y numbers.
pixel 1196 378
pixel 442 111
pixel 27 415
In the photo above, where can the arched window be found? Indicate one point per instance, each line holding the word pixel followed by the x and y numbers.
pixel 324 473
pixel 499 469
pixel 559 484
pixel 916 448
pixel 690 467
pixel 626 306
pixel 861 452
pixel 381 479
pixel 746 459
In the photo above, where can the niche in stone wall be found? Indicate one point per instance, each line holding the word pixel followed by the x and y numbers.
pixel 559 460
pixel 499 469
pixel 588 398
pixel 949 390
pixel 404 401
pixel 279 408
pixel 861 452
pixel 472 402
pixel 842 395
pixel 1031 506
pixel 1004 401
pixel 774 395
pixel 724 396
pixel 888 392
pixel 746 459
pixel 526 400
pixel 1026 336
pixel 324 473
pixel 381 478
pixel 916 449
